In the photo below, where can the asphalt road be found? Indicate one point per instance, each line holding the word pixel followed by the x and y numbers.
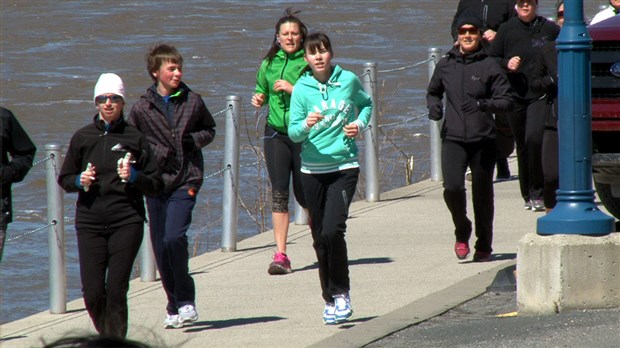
pixel 478 323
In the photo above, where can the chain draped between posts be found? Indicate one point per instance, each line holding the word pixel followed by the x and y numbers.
pixel 407 157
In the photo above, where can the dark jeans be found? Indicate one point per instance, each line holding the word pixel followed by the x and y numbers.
pixel 282 157
pixel 328 197
pixel 480 157
pixel 170 215
pixel 528 123
pixel 550 164
pixel 106 262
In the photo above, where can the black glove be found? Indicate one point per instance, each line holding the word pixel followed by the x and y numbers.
pixel 472 105
pixel 188 143
pixel 435 117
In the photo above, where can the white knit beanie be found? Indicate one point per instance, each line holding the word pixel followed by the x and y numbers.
pixel 109 83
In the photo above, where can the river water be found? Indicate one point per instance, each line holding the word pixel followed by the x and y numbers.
pixel 52 52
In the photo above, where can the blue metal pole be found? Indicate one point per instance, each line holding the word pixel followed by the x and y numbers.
pixel 575 212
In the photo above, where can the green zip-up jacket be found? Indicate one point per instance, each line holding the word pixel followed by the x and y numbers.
pixel 325 147
pixel 284 66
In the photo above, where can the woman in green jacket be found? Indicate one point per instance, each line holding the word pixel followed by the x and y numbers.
pixel 278 72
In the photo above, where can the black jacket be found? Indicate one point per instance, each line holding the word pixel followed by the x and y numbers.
pixel 109 203
pixel 177 132
pixel 517 38
pixel 465 79
pixel 546 80
pixel 17 145
pixel 492 13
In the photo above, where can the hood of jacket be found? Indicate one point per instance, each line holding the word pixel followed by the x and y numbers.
pixel 336 79
pixel 154 97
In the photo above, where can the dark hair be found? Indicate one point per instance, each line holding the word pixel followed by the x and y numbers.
pixel 314 42
pixel 289 17
pixel 94 341
pixel 160 53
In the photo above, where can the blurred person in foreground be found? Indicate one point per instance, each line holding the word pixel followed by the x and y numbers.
pixel 475 87
pixel 96 341
pixel 17 154
pixel 109 163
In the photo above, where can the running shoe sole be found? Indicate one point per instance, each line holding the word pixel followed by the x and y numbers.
pixel 276 269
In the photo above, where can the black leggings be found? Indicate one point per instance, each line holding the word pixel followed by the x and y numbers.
pixel 528 123
pixel 282 156
pixel 480 157
pixel 106 262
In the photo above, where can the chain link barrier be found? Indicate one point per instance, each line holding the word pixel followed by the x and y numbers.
pixel 258 115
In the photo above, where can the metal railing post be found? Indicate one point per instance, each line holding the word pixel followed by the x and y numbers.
pixel 371 146
pixel 231 177
pixel 301 216
pixel 56 232
pixel 435 126
pixel 148 266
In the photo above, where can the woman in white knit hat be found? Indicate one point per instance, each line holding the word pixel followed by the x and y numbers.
pixel 109 164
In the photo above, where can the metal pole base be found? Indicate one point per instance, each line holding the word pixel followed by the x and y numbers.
pixel 576 213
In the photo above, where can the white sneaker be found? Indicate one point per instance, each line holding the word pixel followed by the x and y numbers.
pixel 172 322
pixel 343 307
pixel 188 314
pixel 329 313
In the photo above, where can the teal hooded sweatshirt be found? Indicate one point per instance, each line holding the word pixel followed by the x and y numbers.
pixel 284 66
pixel 325 147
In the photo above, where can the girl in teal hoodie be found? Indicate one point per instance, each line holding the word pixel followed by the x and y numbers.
pixel 323 118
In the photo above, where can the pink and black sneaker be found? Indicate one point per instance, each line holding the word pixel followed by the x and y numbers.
pixel 281 264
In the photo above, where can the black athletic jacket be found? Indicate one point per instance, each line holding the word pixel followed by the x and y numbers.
pixel 109 203
pixel 546 80
pixel 517 38
pixel 466 78
pixel 17 155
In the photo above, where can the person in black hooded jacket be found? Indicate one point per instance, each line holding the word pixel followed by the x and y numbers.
pixel 493 13
pixel 475 87
pixel 515 48
pixel 546 81
pixel 109 163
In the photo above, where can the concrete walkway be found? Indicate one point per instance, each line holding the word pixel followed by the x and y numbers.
pixel 402 264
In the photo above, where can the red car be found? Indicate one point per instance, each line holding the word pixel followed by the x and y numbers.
pixel 605 69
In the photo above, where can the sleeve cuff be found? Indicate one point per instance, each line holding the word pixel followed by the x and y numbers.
pixel 133 176
pixel 77 182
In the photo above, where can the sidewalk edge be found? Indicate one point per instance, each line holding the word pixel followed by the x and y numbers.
pixel 415 312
